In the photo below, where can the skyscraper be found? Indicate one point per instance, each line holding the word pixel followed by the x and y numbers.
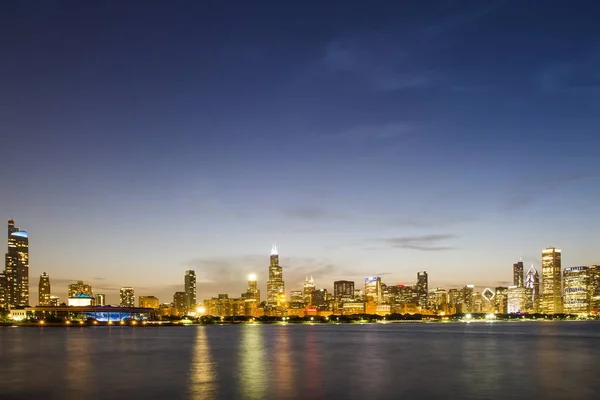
pixel 127 297
pixel 3 303
pixel 343 291
pixel 275 284
pixel 44 290
pixel 373 289
pixel 518 277
pixel 253 291
pixel 552 302
pixel 517 299
pixel 190 291
pixel 16 273
pixel 467 297
pixel 422 289
pixel 501 299
pixel 79 288
pixel 532 283
pixel 576 290
pixel 179 304
pixel 309 287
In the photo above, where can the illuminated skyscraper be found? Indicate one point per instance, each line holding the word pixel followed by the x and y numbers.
pixel 179 304
pixel 296 297
pixel 517 299
pixel 501 299
pixel 3 303
pixel 518 277
pixel 253 291
pixel 190 291
pixel 422 289
pixel 319 298
pixel 44 290
pixel 373 289
pixel 467 299
pixel 79 288
pixel 577 290
pixel 309 288
pixel 594 288
pixel 532 283
pixel 275 284
pixel 343 291
pixel 127 297
pixel 100 299
pixel 16 273
pixel 552 302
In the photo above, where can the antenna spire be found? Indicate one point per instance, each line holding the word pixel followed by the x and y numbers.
pixel 274 250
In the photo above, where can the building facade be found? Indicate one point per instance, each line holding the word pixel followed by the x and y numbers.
pixel 532 283
pixel 422 289
pixel 44 290
pixel 308 288
pixel 518 274
pixel 149 302
pixel 343 291
pixel 190 291
pixel 373 292
pixel 576 290
pixel 127 296
pixel 79 287
pixel 101 299
pixel 253 292
pixel 16 272
pixel 179 304
pixel 552 302
pixel 275 284
pixel 517 299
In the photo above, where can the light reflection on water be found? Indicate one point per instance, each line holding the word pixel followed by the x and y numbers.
pixel 416 361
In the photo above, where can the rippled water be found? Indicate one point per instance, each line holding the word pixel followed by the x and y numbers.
pixel 552 360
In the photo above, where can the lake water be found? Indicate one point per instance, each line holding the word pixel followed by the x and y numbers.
pixel 545 360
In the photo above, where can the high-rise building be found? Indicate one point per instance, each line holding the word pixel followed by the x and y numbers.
pixel 100 299
pixel 552 302
pixel 296 297
pixel 517 299
pixel 16 272
pixel 373 289
pixel 319 298
pixel 439 298
pixel 190 291
pixel 467 299
pixel 422 289
pixel 179 304
pixel 275 284
pixel 79 288
pixel 44 290
pixel 3 303
pixel 518 277
pixel 501 298
pixel 343 291
pixel 594 288
pixel 308 289
pixel 577 290
pixel 149 302
pixel 532 283
pixel 127 297
pixel 54 301
pixel 253 291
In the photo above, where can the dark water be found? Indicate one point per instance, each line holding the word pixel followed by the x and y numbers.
pixel 413 361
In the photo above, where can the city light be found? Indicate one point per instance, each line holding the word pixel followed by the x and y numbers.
pixel 252 277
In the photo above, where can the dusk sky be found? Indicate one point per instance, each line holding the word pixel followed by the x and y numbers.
pixel 144 138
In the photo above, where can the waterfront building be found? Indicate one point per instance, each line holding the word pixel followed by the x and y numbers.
pixel 319 298
pixel 253 292
pixel 275 283
pixel 54 301
pixel 296 297
pixel 15 279
pixel 190 291
pixel 516 299
pixel 353 308
pixel 3 304
pixel 439 300
pixel 79 287
pixel 127 296
pixel 552 302
pixel 467 299
pixel 576 290
pixel 501 299
pixel 179 304
pixel 359 295
pixel 44 290
pixel 518 274
pixel 165 310
pixel 422 289
pixel 343 291
pixel 532 283
pixel 308 289
pixel 149 302
pixel 100 299
pixel 488 306
pixel 80 300
pixel 373 291
pixel 594 271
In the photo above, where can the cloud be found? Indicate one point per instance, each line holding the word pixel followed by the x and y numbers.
pixel 423 243
pixel 311 213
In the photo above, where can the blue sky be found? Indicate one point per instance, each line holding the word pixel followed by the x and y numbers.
pixel 141 139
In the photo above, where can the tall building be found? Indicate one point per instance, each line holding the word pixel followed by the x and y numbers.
pixel 190 291
pixel 577 290
pixel 308 289
pixel 467 298
pixel 552 302
pixel 253 291
pixel 3 303
pixel 149 302
pixel 501 298
pixel 100 299
pixel 296 296
pixel 518 277
pixel 532 283
pixel 179 304
pixel 373 290
pixel 79 288
pixel 517 299
pixel 319 298
pixel 422 289
pixel 594 288
pixel 343 291
pixel 275 284
pixel 16 272
pixel 44 290
pixel 127 297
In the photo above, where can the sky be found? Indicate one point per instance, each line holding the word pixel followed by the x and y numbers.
pixel 141 139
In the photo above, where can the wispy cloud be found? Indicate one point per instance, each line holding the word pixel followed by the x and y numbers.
pixel 423 243
pixel 312 213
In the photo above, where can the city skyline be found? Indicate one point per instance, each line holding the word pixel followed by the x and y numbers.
pixel 447 137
